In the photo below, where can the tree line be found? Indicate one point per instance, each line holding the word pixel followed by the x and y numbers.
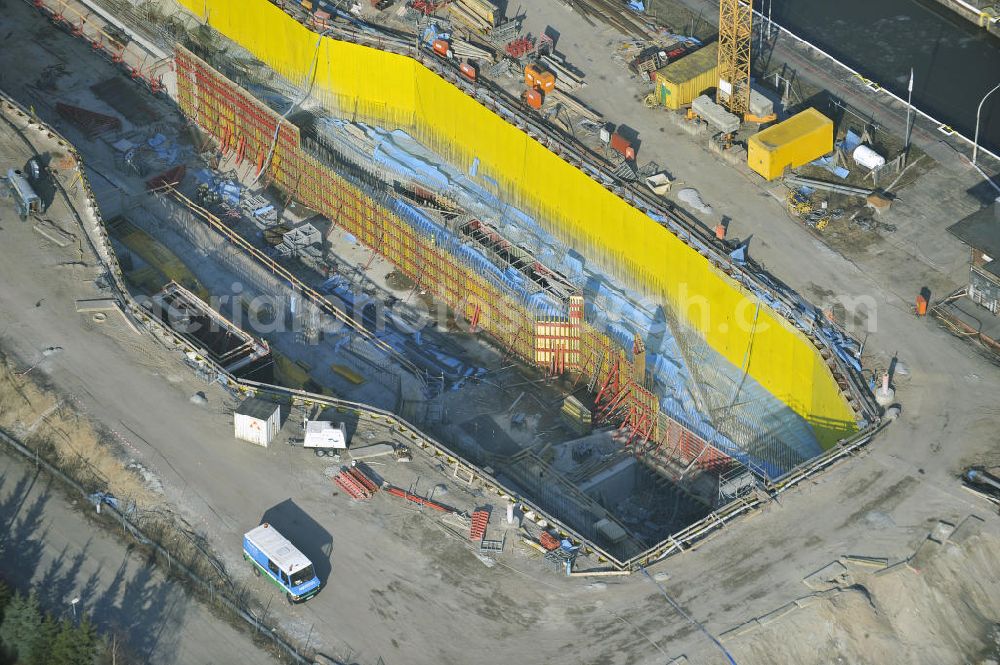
pixel 31 636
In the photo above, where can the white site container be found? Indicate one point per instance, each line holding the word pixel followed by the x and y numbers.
pixel 257 421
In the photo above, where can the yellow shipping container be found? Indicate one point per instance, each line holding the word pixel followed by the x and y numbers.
pixel 681 81
pixel 793 142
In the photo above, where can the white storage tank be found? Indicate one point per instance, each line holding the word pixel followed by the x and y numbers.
pixel 257 421
pixel 868 158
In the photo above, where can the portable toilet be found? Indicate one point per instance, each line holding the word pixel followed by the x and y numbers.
pixel 257 421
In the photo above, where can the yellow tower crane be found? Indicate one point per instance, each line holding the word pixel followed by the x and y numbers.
pixel 735 25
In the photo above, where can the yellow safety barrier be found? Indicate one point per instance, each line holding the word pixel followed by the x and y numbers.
pixel 361 83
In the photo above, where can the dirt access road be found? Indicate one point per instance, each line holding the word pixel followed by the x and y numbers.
pixel 48 543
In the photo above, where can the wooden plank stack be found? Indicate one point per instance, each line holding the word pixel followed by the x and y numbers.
pixel 480 15
pixel 573 104
pixel 566 78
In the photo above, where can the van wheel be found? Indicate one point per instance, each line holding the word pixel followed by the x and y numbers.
pixel 256 570
pixel 288 597
pixel 320 452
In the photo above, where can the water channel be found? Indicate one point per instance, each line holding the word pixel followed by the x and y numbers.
pixel 955 63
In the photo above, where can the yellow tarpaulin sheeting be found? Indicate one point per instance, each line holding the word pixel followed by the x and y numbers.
pixel 361 83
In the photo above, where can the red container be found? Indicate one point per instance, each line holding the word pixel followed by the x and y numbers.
pixel 440 47
pixel 468 71
pixel 622 146
pixel 921 305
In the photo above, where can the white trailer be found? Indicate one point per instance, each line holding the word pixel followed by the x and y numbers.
pixel 324 437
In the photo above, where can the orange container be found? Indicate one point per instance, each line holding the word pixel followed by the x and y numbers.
pixel 536 77
pixel 921 305
pixel 546 81
pixel 622 145
pixel 468 70
pixel 529 75
pixel 532 98
pixel 441 47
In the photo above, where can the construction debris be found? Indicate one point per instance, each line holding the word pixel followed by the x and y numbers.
pixel 659 183
pixel 576 416
pixel 479 15
pixel 795 181
pixel 716 116
pixel 566 77
pixel 548 541
pixel 576 106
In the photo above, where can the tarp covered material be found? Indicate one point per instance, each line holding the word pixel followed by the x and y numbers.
pixel 393 90
pixel 229 190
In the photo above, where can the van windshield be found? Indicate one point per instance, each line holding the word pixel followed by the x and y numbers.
pixel 302 576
